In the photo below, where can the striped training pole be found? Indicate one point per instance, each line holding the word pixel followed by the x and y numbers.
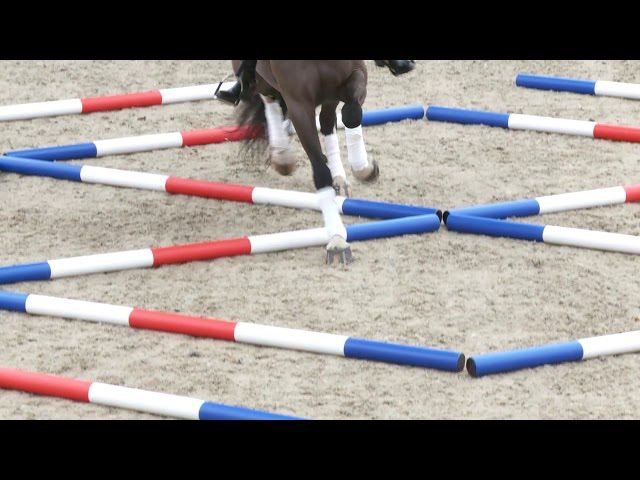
pixel 534 122
pixel 166 96
pixel 575 85
pixel 191 252
pixel 573 237
pixel 141 143
pixel 241 332
pixel 552 203
pixel 175 406
pixel 583 349
pixel 201 188
pixel 103 103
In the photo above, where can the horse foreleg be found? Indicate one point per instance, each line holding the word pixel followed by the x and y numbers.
pixel 355 92
pixel 332 148
pixel 280 156
pixel 303 117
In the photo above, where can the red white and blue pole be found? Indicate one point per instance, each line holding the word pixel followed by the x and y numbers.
pixel 202 188
pixel 102 103
pixel 582 349
pixel 140 143
pixel 241 332
pixel 574 237
pixel 190 252
pixel 537 123
pixel 175 406
pixel 552 203
pixel 575 85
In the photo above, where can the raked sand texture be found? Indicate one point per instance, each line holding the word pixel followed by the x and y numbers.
pixel 446 290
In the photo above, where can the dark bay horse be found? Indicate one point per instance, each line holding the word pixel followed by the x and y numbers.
pixel 297 88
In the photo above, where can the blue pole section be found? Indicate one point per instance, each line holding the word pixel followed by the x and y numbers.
pixel 393 228
pixel 471 117
pixel 394 114
pixel 495 228
pixel 517 208
pixel 25 272
pixel 404 354
pixel 371 209
pixel 13 301
pixel 27 166
pixel 219 411
pixel 560 84
pixel 62 152
pixel 489 363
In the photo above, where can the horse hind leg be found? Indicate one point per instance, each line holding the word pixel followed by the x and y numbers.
pixel 280 152
pixel 332 148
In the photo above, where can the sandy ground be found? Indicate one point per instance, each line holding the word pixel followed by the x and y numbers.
pixel 464 292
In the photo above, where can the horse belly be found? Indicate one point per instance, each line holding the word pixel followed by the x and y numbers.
pixel 264 70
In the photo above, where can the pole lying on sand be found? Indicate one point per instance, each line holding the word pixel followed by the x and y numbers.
pixel 144 143
pixel 585 348
pixel 241 332
pixel 534 122
pixel 574 237
pixel 553 203
pixel 140 143
pixel 202 188
pixel 156 403
pixel 575 85
pixel 102 103
pixel 190 252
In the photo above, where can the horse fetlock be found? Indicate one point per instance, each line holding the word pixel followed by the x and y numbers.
pixel 322 176
pixel 342 186
pixel 369 173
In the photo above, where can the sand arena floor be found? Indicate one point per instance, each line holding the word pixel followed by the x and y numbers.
pixel 465 292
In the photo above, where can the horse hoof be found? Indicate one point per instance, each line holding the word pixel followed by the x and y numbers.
pixel 283 162
pixel 338 252
pixel 341 186
pixel 370 173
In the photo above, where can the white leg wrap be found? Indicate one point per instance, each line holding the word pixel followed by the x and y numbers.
pixel 332 221
pixel 278 137
pixel 356 151
pixel 332 150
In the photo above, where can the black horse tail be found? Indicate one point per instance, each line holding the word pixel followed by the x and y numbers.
pixel 251 112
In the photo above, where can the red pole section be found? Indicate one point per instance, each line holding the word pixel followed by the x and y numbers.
pixel 201 188
pixel 125 100
pixel 175 323
pixel 616 132
pixel 218 135
pixel 201 251
pixel 42 384
pixel 633 193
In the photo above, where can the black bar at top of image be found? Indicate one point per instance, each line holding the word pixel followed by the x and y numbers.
pixel 416 31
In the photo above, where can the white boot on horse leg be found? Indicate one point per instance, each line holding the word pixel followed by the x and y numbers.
pixel 362 167
pixel 287 126
pixel 338 250
pixel 332 151
pixel 281 155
